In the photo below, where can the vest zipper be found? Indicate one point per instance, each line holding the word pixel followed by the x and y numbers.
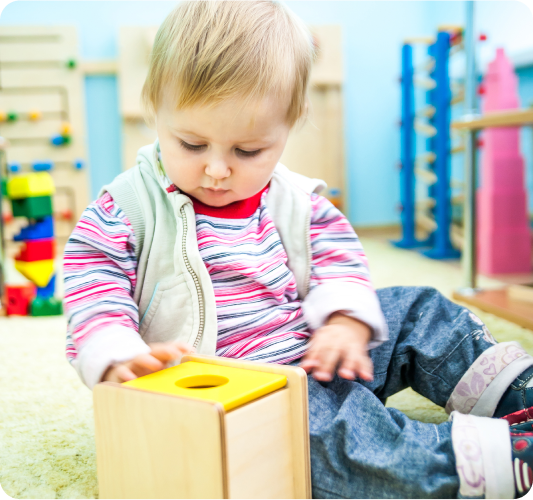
pixel 309 251
pixel 194 277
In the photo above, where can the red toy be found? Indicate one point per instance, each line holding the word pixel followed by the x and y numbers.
pixel 19 298
pixel 37 250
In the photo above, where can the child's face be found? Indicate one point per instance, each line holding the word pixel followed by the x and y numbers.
pixel 224 153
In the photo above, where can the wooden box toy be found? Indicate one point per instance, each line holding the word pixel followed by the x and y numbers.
pixel 209 427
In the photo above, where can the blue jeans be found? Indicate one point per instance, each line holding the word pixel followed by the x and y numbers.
pixel 360 448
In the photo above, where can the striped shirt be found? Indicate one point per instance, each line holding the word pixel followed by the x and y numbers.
pixel 259 315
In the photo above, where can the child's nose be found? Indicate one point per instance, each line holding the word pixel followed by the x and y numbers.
pixel 217 169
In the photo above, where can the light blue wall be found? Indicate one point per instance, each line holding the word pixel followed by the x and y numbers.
pixel 103 130
pixel 372 36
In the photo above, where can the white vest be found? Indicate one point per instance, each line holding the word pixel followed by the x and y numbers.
pixel 174 292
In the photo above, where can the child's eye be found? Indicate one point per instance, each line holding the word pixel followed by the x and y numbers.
pixel 191 147
pixel 248 153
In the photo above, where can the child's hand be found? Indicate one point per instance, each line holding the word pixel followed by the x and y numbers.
pixel 161 354
pixel 341 342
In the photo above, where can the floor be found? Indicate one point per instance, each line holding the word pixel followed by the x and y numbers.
pixel 46 427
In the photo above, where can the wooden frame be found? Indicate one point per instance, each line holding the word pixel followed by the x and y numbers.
pixel 498 302
pixel 511 118
pixel 196 449
pixel 34 76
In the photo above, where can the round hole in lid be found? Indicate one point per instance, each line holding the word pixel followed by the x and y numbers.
pixel 202 381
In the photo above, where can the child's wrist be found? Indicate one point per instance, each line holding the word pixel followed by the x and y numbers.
pixel 361 329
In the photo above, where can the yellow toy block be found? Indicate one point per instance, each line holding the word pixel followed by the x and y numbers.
pixel 38 272
pixel 210 427
pixel 231 387
pixel 30 185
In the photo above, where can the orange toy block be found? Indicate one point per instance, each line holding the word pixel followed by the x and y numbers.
pixel 19 298
pixel 37 250
pixel 39 272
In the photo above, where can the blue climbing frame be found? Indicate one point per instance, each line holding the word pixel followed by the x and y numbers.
pixel 440 98
pixel 407 162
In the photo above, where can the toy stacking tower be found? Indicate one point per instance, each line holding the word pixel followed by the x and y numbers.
pixel 210 427
pixel 31 197
pixel 504 240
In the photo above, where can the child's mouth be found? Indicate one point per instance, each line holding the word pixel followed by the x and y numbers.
pixel 216 191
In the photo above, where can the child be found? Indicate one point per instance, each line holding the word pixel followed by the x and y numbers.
pixel 209 244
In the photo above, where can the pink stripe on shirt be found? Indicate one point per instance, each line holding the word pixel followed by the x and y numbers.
pixel 259 315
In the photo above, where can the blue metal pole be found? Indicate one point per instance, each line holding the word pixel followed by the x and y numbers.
pixel 442 246
pixel 407 171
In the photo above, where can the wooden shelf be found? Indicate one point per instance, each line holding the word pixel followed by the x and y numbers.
pixel 512 118
pixel 498 303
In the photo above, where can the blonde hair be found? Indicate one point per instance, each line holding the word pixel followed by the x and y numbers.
pixel 207 51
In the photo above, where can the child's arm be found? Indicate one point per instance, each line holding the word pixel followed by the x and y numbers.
pixel 100 278
pixel 342 307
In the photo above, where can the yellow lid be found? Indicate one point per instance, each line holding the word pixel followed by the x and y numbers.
pixel 232 387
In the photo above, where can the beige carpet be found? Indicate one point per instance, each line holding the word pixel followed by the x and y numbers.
pixel 46 428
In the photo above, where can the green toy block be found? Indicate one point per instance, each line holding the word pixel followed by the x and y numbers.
pixel 35 207
pixel 12 116
pixel 46 307
pixel 71 63
pixel 3 187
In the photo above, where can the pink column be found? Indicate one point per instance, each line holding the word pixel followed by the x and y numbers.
pixel 503 233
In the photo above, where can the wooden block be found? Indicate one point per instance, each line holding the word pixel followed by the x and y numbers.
pixel 30 186
pixel 155 445
pixel 46 306
pixel 37 250
pixel 36 207
pixel 18 298
pixel 39 272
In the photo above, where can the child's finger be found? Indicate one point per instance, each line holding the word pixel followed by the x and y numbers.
pixel 310 360
pixel 165 352
pixel 350 365
pixel 121 373
pixel 365 368
pixel 144 364
pixel 329 358
pixel 184 348
pixel 169 351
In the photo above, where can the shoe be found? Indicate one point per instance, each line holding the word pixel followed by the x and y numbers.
pixel 518 397
pixel 522 455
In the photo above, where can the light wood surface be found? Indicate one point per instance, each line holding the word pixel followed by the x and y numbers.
pixel 152 445
pixel 259 455
pixel 425 40
pixel 498 303
pixel 521 293
pixel 511 118
pixel 93 68
pixel 34 76
pixel 299 414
